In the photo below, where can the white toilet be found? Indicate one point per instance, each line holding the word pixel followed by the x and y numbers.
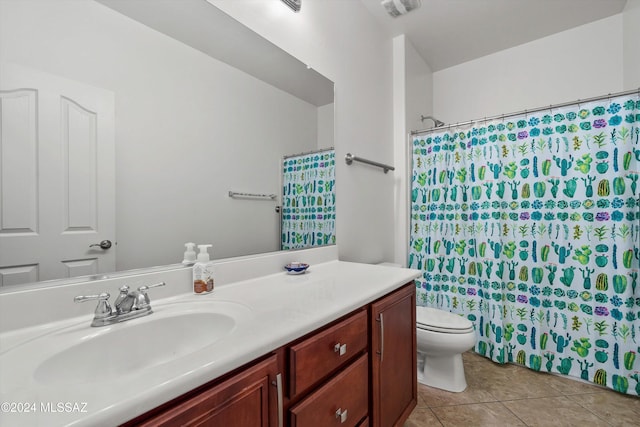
pixel 442 337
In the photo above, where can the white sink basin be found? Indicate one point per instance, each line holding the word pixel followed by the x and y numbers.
pixel 82 354
pixel 138 346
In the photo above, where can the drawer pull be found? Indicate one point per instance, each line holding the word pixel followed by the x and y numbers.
pixel 381 338
pixel 341 349
pixel 278 384
pixel 342 415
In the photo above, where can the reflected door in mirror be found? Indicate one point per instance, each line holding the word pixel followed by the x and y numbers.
pixel 57 193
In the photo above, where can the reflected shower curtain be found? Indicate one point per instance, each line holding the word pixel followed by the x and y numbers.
pixel 530 227
pixel 308 200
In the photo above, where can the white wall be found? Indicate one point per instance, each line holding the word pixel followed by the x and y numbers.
pixel 400 156
pixel 631 19
pixel 325 126
pixel 342 41
pixel 183 122
pixel 412 98
pixel 576 64
pixel 419 89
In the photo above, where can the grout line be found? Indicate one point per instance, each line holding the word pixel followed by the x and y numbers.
pixel 437 418
pixel 466 404
pixel 549 396
pixel 513 413
pixel 592 412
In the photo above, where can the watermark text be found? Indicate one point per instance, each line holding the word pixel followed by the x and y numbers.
pixel 43 407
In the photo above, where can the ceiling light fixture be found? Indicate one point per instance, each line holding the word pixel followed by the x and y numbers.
pixel 295 5
pixel 396 8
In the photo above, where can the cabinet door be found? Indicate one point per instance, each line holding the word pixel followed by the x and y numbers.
pixel 248 399
pixel 393 340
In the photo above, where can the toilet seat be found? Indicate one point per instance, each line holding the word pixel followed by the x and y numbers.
pixel 434 320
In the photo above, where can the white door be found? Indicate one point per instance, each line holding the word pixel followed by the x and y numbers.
pixel 57 177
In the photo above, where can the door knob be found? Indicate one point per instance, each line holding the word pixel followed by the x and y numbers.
pixel 105 244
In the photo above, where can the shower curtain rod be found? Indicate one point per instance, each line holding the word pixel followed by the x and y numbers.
pixel 304 153
pixel 504 116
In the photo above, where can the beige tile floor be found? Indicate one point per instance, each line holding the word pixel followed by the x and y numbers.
pixel 511 395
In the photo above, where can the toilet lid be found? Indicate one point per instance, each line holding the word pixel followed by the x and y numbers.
pixel 441 321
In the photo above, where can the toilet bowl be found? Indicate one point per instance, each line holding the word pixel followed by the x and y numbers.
pixel 441 338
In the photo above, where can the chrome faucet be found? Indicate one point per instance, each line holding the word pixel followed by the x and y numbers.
pixel 128 305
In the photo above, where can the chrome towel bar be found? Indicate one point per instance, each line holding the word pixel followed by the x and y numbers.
pixel 350 158
pixel 252 195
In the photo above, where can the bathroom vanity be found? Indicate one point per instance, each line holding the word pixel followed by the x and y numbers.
pixel 340 374
pixel 335 346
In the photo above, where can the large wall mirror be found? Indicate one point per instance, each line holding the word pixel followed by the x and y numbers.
pixel 132 121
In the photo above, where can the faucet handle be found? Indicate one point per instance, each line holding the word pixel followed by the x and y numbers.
pixel 142 300
pixel 103 309
pixel 147 287
pixel 83 298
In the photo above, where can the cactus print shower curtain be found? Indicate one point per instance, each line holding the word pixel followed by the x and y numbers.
pixel 530 227
pixel 308 200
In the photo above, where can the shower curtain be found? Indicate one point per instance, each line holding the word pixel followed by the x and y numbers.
pixel 308 200
pixel 530 228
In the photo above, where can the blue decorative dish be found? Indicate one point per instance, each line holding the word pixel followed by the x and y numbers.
pixel 296 268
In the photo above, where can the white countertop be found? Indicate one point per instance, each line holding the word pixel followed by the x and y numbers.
pixel 282 308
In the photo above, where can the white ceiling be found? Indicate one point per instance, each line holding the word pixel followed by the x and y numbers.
pixel 449 32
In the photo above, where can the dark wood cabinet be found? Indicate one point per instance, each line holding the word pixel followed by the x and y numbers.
pixel 248 398
pixel 394 384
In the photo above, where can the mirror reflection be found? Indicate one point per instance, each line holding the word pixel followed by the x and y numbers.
pixel 308 200
pixel 120 123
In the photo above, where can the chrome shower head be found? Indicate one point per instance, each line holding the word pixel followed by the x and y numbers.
pixel 436 123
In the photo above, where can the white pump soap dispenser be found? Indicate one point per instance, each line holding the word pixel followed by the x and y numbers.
pixel 203 272
pixel 189 254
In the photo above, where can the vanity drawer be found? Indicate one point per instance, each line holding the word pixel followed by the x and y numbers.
pixel 347 394
pixel 316 357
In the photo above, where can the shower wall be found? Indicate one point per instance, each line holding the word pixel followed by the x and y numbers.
pixel 631 33
pixel 562 67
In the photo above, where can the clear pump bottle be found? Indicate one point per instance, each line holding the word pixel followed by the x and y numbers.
pixel 203 272
pixel 189 254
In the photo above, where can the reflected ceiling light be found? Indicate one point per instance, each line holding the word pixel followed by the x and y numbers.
pixel 295 5
pixel 396 8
